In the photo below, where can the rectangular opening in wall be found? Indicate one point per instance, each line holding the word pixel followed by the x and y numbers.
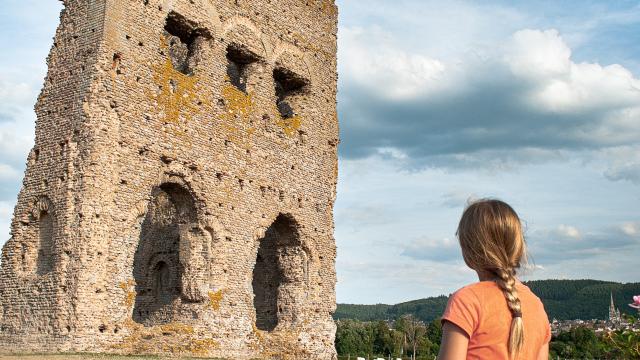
pixel 185 40
pixel 288 84
pixel 238 59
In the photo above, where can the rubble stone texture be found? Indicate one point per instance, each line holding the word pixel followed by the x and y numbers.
pixel 180 192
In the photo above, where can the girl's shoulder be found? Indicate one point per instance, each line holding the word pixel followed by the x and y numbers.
pixel 480 286
pixel 478 290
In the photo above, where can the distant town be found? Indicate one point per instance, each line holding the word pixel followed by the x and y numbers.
pixel 615 321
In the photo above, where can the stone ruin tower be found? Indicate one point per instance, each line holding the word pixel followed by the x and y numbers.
pixel 179 195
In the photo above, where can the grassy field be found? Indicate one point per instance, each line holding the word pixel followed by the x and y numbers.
pixel 88 357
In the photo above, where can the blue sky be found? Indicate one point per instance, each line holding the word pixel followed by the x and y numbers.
pixel 537 103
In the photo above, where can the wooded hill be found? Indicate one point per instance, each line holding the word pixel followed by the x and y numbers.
pixel 563 300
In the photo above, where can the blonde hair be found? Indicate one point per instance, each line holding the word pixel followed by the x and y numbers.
pixel 491 238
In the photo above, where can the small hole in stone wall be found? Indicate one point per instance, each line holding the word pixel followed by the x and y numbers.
pixel 127 37
pixel 68 328
pixel 145 2
pixel 238 59
pixel 117 58
pixel 165 159
pixel 36 154
pixel 102 328
pixel 140 43
pixel 185 40
pixel 288 84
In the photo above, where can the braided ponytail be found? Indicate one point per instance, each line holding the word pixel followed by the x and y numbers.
pixel 490 235
pixel 507 282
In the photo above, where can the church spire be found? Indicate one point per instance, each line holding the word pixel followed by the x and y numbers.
pixel 614 314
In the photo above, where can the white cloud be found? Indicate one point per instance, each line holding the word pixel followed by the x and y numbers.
pixel 526 100
pixel 7 172
pixel 458 199
pixel 14 144
pixel 368 57
pixel 6 212
pixel 538 54
pixel 17 94
pixel 631 229
pixel 564 86
pixel 568 232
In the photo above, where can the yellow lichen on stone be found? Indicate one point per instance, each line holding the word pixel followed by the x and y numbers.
pixel 328 7
pixel 176 328
pixel 236 119
pixel 215 298
pixel 202 347
pixel 284 340
pixel 130 294
pixel 257 332
pixel 180 97
pixel 173 338
pixel 290 125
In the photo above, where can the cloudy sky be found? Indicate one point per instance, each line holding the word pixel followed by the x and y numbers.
pixel 536 103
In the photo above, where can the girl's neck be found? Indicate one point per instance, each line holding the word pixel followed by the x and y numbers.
pixel 487 276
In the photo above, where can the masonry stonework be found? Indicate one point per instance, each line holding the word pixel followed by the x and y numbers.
pixel 179 196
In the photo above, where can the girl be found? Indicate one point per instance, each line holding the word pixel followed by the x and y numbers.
pixel 498 317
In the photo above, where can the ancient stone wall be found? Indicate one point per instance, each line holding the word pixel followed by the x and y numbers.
pixel 179 195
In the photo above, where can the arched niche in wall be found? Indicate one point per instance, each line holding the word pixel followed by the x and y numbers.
pixel 279 275
pixel 245 53
pixel 36 243
pixel 156 268
pixel 185 42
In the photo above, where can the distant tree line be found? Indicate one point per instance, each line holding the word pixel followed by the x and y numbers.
pixel 407 337
pixel 410 338
pixel 563 300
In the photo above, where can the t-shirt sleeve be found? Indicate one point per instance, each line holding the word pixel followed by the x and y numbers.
pixel 463 310
pixel 547 337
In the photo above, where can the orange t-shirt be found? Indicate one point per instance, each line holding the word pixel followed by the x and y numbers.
pixel 481 310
